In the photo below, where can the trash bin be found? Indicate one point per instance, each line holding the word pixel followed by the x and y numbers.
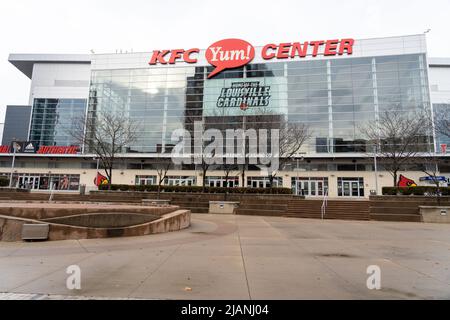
pixel 82 189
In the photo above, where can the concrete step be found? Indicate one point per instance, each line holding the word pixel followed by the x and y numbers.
pixel 406 210
pixel 396 217
pixel 196 209
pixel 190 204
pixel 278 207
pixel 330 217
pixel 258 212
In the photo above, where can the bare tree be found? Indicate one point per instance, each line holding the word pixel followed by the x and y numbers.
pixel 397 136
pixel 429 165
pixel 442 121
pixel 292 138
pixel 204 167
pixel 227 170
pixel 162 168
pixel 105 134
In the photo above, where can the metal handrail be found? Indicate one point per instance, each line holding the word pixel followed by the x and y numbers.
pixel 324 204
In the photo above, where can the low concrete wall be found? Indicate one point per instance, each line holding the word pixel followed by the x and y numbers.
pixel 11 227
pixel 435 214
pixel 138 195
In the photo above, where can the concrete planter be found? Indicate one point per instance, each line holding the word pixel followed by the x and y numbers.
pixel 435 214
pixel 223 207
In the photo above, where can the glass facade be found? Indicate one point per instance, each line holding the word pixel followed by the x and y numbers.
pixel 332 96
pixel 441 110
pixel 53 120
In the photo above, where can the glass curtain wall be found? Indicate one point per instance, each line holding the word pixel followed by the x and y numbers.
pixel 333 96
pixel 53 121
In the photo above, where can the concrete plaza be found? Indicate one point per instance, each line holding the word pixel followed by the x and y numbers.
pixel 239 257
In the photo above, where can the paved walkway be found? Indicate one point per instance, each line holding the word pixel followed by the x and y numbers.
pixel 239 257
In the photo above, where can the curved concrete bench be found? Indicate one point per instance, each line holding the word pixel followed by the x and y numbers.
pixel 11 228
pixel 40 210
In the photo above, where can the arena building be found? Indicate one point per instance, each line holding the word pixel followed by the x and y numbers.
pixel 333 86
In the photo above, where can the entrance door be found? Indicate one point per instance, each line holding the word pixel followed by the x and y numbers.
pixel 310 187
pixel 355 189
pixel 346 188
pixel 29 182
pixel 352 188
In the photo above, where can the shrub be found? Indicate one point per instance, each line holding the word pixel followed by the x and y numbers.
pixel 195 189
pixel 4 182
pixel 416 191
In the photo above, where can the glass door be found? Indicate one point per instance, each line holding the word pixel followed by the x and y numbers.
pixel 312 188
pixel 351 187
pixel 346 188
pixel 355 189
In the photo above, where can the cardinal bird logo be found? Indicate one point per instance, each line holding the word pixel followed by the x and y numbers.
pixel 100 179
pixel 243 106
pixel 405 182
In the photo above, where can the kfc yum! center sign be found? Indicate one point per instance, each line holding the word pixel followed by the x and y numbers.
pixel 233 53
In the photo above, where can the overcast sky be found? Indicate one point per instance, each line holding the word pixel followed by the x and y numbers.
pixel 51 26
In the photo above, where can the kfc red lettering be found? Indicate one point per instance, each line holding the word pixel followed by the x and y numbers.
pixel 158 57
pixel 175 55
pixel 187 55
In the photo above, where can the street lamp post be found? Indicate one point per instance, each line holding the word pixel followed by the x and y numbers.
pixel 375 169
pixel 12 164
pixel 96 173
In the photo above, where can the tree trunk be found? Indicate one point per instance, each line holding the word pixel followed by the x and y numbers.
pixel 159 189
pixel 226 187
pixel 204 181
pixel 109 176
pixel 395 178
pixel 438 191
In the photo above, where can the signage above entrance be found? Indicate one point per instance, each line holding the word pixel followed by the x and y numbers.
pixel 58 150
pixel 234 53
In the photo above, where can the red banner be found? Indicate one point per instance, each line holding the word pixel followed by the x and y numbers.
pixel 5 149
pixel 58 150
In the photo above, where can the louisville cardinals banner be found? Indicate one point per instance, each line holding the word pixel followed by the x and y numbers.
pixel 100 180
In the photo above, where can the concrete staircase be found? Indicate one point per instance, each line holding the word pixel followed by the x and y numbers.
pixel 196 204
pixel 336 209
pixel 257 207
pixel 402 208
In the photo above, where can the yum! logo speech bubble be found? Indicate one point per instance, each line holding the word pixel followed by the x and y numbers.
pixel 229 54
